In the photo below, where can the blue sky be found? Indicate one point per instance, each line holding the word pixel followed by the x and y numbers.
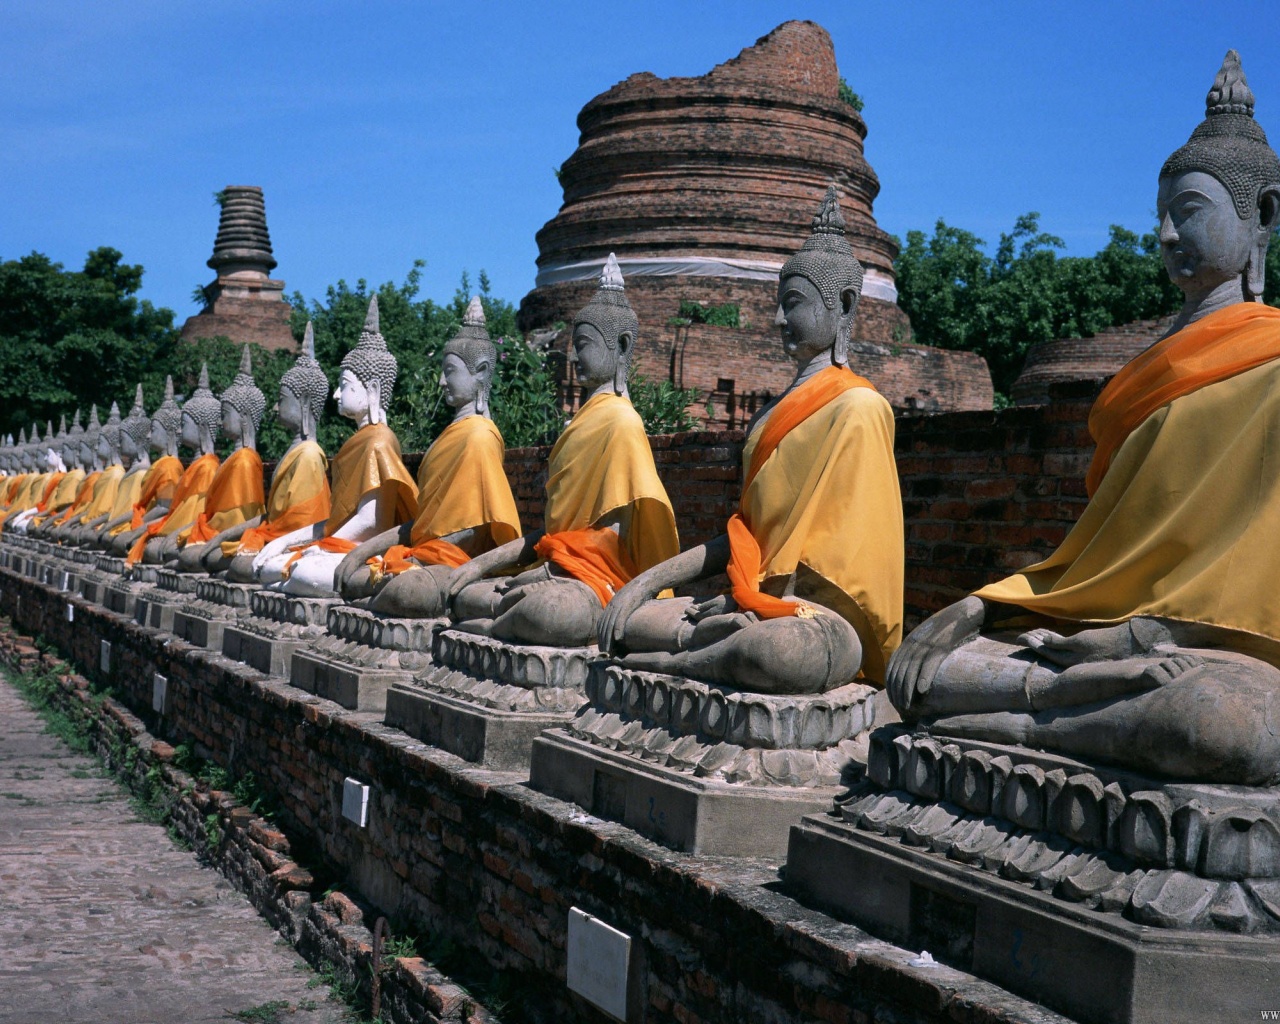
pixel 385 132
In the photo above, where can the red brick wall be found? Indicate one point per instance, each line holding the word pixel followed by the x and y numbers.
pixel 1074 359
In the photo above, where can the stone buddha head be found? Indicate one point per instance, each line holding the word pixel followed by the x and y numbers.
pixel 135 431
pixel 466 366
pixel 1219 197
pixel 166 423
pixel 304 388
pixel 605 332
pixel 242 405
pixel 53 446
pixel 109 438
pixel 201 416
pixel 89 457
pixel 71 445
pixel 818 289
pixel 368 375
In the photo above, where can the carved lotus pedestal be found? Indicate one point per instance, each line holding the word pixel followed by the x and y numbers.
pixel 361 655
pixel 1102 894
pixel 217 603
pixel 155 606
pixel 121 595
pixel 486 700
pixel 704 769
pixel 276 626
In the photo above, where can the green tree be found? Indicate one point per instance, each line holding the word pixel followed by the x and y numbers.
pixel 71 338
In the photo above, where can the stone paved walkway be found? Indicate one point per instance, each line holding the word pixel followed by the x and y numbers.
pixel 104 920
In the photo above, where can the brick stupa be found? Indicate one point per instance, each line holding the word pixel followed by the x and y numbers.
pixel 245 303
pixel 703 187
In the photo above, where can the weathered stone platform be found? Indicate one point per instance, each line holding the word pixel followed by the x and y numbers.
pixel 702 768
pixel 487 700
pixel 362 654
pixel 1010 862
pixel 276 626
pixel 217 603
pixel 155 606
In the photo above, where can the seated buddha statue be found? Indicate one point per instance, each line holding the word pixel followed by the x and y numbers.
pixel 162 475
pixel 299 495
pixel 371 490
pixel 1156 639
pixel 815 602
pixel 107 490
pixel 235 494
pixel 465 504
pixel 34 474
pixel 607 515
pixel 65 527
pixel 158 541
pixel 53 484
pixel 69 488
pixel 134 430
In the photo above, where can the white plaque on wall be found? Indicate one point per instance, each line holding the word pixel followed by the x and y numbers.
pixel 355 802
pixel 104 656
pixel 159 693
pixel 599 963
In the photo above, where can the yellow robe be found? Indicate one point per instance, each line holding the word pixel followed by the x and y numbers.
pixel 827 501
pixel 104 493
pixel 299 497
pixel 31 491
pixel 603 463
pixel 64 494
pixel 84 495
pixel 370 461
pixel 234 496
pixel 127 493
pixel 1184 523
pixel 159 484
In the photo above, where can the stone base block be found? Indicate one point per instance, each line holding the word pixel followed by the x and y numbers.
pixel 1091 966
pixel 684 812
pixel 219 591
pixel 355 687
pixel 173 582
pixel 259 649
pixel 202 624
pixel 121 597
pixel 93 586
pixel 489 736
pixel 156 608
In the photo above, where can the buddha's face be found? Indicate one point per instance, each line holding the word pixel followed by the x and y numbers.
pixel 128 446
pixel 232 422
pixel 159 439
pixel 1203 241
pixel 352 397
pixel 596 362
pixel 808 327
pixel 104 448
pixel 460 385
pixel 69 455
pixel 289 410
pixel 87 454
pixel 190 435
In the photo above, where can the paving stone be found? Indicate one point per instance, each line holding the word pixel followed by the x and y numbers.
pixel 106 920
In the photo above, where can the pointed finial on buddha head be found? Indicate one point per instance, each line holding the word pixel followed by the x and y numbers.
pixel 611 315
pixel 306 381
pixel 475 348
pixel 244 395
pixel 111 429
pixel 373 365
pixel 826 261
pixel 203 407
pixel 1231 146
pixel 168 416
pixel 62 427
pixel 22 435
pixel 137 425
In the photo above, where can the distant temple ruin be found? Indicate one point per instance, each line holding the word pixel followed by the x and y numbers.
pixel 703 187
pixel 1096 358
pixel 245 303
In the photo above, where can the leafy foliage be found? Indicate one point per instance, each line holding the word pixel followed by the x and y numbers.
pixel 959 297
pixel 663 406
pixel 727 314
pixel 850 97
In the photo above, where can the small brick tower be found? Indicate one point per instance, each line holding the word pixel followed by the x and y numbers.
pixel 245 303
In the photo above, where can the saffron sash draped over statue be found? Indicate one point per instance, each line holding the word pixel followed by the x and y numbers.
pixel 31 493
pixel 186 505
pixel 104 493
pixel 234 496
pixel 83 496
pixel 127 494
pixel 159 485
pixel 12 487
pixel 299 497
pixel 821 502
pixel 1183 523
pixel 64 494
pixel 461 486
pixel 368 462
pixel 50 488
pixel 603 464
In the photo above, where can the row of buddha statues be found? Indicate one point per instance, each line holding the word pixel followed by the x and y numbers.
pixel 1149 640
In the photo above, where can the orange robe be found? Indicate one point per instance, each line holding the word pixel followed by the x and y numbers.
pixel 299 497
pixel 83 496
pixel 461 486
pixel 234 496
pixel 187 504
pixel 158 485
